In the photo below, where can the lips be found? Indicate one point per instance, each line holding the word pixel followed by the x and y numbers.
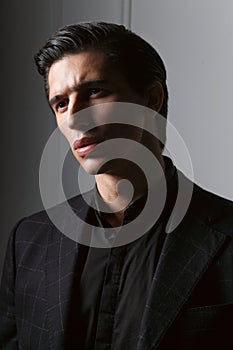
pixel 85 145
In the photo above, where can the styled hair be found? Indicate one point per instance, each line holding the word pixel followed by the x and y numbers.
pixel 135 59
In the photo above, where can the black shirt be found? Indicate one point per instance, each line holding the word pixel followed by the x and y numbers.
pixel 115 282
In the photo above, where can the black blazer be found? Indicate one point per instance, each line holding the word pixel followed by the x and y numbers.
pixel 190 305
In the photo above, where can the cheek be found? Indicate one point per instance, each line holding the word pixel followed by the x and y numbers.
pixel 60 125
pixel 66 131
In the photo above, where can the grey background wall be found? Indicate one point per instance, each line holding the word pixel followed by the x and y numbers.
pixel 26 121
pixel 194 39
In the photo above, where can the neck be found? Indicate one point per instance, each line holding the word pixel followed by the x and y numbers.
pixel 118 193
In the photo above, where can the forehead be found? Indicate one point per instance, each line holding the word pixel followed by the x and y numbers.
pixel 76 68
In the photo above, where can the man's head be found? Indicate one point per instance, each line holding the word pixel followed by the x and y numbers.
pixel 129 54
pixel 90 64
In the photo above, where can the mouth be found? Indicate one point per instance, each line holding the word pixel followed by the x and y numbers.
pixel 85 145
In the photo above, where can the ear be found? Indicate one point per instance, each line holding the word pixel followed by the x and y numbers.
pixel 155 96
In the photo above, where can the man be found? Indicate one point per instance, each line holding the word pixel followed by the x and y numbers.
pixel 155 291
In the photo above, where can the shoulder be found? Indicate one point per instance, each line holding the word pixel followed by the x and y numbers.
pixel 194 202
pixel 214 210
pixel 36 226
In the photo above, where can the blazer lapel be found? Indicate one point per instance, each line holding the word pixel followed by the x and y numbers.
pixel 63 268
pixel 185 257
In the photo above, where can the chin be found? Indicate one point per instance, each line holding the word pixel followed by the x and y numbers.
pixel 93 166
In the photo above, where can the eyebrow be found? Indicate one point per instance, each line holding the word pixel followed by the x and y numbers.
pixel 82 85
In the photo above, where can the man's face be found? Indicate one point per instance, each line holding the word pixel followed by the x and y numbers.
pixel 83 80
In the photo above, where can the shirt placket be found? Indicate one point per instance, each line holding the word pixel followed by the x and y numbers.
pixel 109 300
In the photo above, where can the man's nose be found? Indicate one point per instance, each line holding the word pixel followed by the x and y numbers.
pixel 77 102
pixel 76 117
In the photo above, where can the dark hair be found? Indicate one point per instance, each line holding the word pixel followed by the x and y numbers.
pixel 137 60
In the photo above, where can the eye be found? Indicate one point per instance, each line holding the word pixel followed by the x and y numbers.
pixel 96 92
pixel 61 105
